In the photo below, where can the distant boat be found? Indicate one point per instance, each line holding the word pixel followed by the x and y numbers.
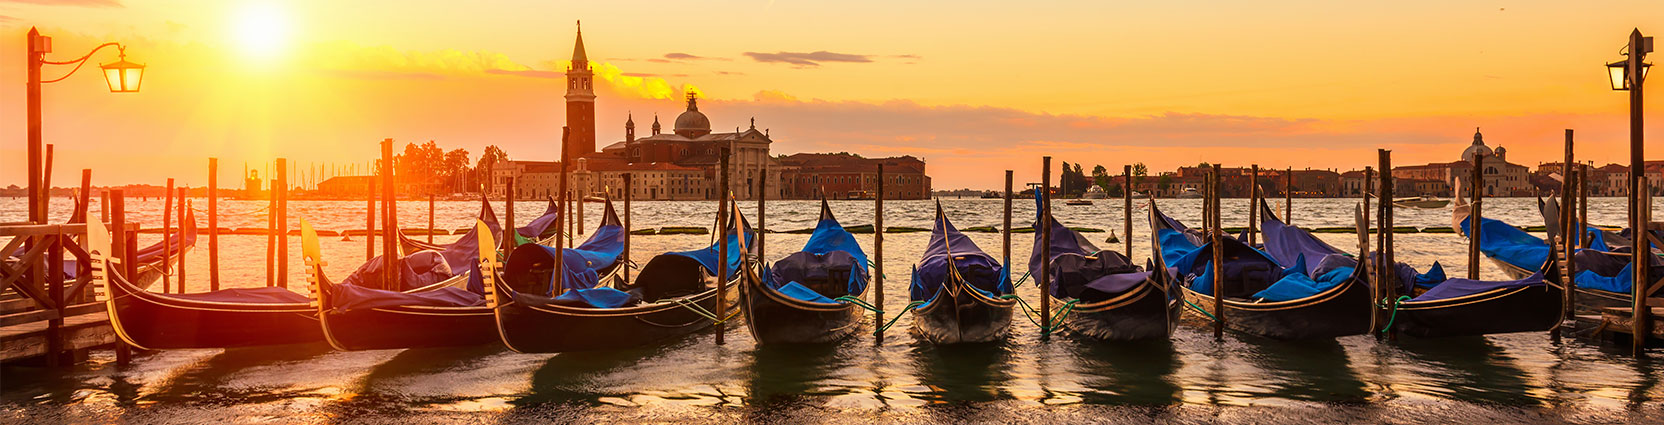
pixel 1078 202
pixel 1420 202
pixel 1189 193
pixel 992 195
pixel 1095 192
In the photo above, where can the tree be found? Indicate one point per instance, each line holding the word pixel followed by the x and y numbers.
pixel 488 159
pixel 1100 177
pixel 1138 173
pixel 1164 182
pixel 456 169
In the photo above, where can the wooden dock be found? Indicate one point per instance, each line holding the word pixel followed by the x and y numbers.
pixel 23 336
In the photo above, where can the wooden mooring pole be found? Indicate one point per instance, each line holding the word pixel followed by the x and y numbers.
pixel 389 222
pixel 722 218
pixel 878 254
pixel 1044 275
pixel 1217 242
pixel 1288 196
pixel 183 206
pixel 1254 205
pixel 213 224
pixel 120 250
pixel 370 215
pixel 167 244
pixel 762 195
pixel 629 192
pixel 430 218
pixel 1570 233
pixel 1387 265
pixel 1640 263
pixel 1476 192
pixel 1126 208
pixel 282 189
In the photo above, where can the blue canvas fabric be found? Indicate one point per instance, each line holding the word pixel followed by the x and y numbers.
pixel 708 257
pixel 1509 244
pixel 263 295
pixel 979 269
pixel 542 226
pixel 1452 288
pixel 582 265
pixel 1286 243
pixel 416 270
pixel 603 297
pixel 1623 282
pixel 798 291
pixel 466 249
pixel 353 297
pixel 831 252
pixel 1190 260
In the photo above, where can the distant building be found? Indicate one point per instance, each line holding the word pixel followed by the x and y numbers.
pixel 849 176
pixel 1500 177
pixel 345 186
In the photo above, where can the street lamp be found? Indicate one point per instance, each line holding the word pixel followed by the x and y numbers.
pixel 121 76
pixel 1628 75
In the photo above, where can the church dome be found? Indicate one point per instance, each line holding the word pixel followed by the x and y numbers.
pixel 1477 148
pixel 692 123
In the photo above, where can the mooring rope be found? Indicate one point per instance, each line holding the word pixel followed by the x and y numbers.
pixel 1056 317
pixel 859 303
pixel 1394 316
pixel 1200 310
pixel 893 320
pixel 1023 278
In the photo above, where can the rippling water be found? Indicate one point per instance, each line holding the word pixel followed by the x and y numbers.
pixel 1504 378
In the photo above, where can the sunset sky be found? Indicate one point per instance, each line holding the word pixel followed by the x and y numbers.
pixel 973 87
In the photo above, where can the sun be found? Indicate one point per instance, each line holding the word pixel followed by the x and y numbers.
pixel 261 30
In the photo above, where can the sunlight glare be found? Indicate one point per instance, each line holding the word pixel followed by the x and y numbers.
pixel 261 30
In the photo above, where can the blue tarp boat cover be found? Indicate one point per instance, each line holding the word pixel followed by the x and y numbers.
pixel 707 257
pixel 1609 271
pixel 831 261
pixel 262 295
pixel 1509 244
pixel 1452 288
pixel 353 297
pixel 1248 270
pixel 544 225
pixel 980 270
pixel 466 249
pixel 583 264
pixel 603 297
pixel 1079 270
pixel 416 270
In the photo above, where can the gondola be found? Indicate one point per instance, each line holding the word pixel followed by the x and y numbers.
pixel 225 318
pixel 1109 298
pixel 439 314
pixel 1602 270
pixel 150 262
pixel 1434 306
pixel 795 301
pixel 672 296
pixel 1258 300
pixel 959 294
pixel 461 254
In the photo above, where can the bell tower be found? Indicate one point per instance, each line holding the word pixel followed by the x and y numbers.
pixel 580 101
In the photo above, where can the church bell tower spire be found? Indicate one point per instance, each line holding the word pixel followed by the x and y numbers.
pixel 580 101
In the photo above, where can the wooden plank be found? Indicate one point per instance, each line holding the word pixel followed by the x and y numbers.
pixel 80 332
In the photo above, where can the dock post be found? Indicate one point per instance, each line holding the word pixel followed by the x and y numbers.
pixel 1366 261
pixel 183 191
pixel 370 215
pixel 1126 208
pixel 1641 217
pixel 1045 234
pixel 1570 232
pixel 120 250
pixel 1288 196
pixel 1387 264
pixel 213 224
pixel 55 292
pixel 762 195
pixel 389 221
pixel 430 218
pixel 282 189
pixel 1218 236
pixel 878 256
pixel 509 231
pixel 1254 204
pixel 1583 204
pixel 167 243
pixel 1005 233
pixel 722 219
pixel 560 221
pixel 629 192
pixel 1476 192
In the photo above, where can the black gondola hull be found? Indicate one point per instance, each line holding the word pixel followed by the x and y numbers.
pixel 1341 311
pixel 1143 314
pixel 410 327
pixel 156 322
pixel 962 316
pixel 1528 309
pixel 529 328
pixel 774 318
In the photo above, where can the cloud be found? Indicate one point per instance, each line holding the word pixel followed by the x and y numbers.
pixel 810 59
pixel 682 56
pixel 82 3
pixel 531 73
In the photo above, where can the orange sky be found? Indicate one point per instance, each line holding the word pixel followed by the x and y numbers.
pixel 971 86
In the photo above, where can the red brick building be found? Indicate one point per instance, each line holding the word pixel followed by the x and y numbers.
pixel 849 176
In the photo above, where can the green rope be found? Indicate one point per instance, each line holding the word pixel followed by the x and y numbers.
pixel 893 321
pixel 1200 310
pixel 1025 277
pixel 1028 311
pixel 1063 312
pixel 859 303
pixel 1394 316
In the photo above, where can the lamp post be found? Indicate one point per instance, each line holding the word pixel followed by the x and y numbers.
pixel 122 77
pixel 1628 75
